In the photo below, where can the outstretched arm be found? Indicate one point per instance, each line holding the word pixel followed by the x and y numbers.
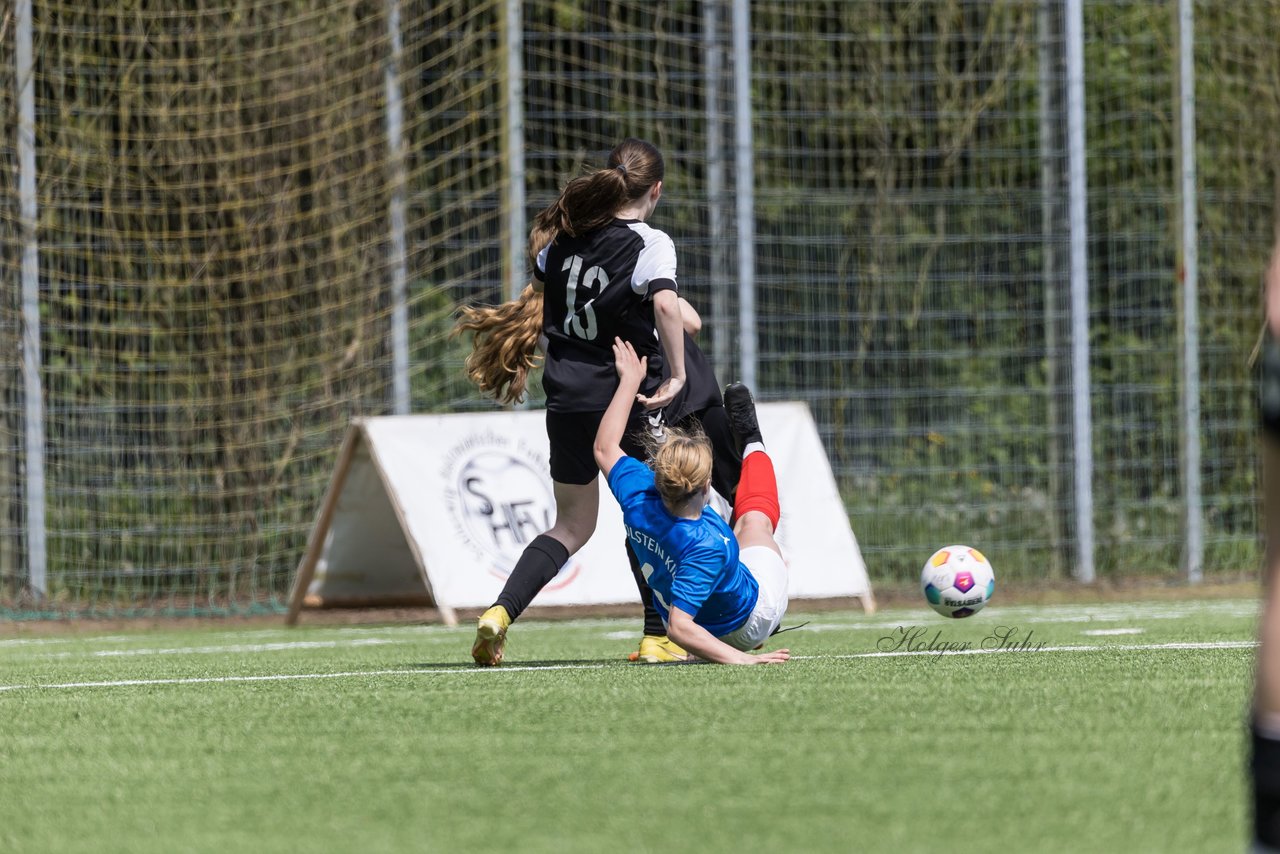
pixel 693 637
pixel 631 372
pixel 669 320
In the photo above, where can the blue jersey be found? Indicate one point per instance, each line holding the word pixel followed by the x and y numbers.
pixel 690 564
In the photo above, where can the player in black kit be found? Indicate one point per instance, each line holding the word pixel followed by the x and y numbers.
pixel 600 272
pixel 1264 763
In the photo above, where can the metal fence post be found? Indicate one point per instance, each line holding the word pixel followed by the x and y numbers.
pixel 515 164
pixel 399 255
pixel 1190 296
pixel 1079 265
pixel 31 365
pixel 744 165
pixel 713 68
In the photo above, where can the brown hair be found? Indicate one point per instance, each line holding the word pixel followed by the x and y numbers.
pixel 504 348
pixel 589 201
pixel 681 465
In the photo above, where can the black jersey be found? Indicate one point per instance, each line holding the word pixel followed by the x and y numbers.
pixel 700 387
pixel 595 287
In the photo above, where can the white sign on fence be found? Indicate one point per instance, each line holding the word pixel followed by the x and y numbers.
pixel 436 509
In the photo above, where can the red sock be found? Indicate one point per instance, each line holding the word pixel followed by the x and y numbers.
pixel 757 488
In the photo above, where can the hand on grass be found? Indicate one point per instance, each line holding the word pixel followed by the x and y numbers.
pixel 778 656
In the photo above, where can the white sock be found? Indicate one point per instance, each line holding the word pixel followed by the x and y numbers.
pixel 751 448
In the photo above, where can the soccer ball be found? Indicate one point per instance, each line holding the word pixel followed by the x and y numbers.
pixel 958 581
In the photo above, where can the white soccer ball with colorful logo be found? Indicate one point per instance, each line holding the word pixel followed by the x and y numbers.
pixel 957 581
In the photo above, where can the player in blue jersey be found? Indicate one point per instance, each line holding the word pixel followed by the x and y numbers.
pixel 600 272
pixel 720 591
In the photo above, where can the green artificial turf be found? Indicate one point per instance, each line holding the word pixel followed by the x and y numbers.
pixel 569 748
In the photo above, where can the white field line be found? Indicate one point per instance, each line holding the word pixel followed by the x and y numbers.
pixel 68 639
pixel 1002 617
pixel 217 650
pixel 289 677
pixel 1107 632
pixel 246 635
pixel 1135 612
pixel 244 647
pixel 1018 647
pixel 1183 606
pixel 358 674
pixel 465 626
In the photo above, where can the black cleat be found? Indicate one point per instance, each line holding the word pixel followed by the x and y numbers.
pixel 741 409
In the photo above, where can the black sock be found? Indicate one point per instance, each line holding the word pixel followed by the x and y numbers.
pixel 652 622
pixel 538 564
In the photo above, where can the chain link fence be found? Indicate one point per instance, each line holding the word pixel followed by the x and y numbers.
pixel 221 281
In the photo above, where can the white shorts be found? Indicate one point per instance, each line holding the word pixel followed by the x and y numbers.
pixel 770 572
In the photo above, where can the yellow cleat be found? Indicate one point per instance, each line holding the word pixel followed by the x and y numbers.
pixel 491 636
pixel 658 649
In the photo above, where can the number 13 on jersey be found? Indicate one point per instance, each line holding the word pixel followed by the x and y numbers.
pixel 581 319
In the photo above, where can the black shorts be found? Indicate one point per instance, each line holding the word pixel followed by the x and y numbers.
pixel 573 437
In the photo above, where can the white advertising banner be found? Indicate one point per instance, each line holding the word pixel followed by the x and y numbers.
pixel 439 508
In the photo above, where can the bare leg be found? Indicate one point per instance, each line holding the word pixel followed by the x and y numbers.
pixel 577 506
pixel 754 528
